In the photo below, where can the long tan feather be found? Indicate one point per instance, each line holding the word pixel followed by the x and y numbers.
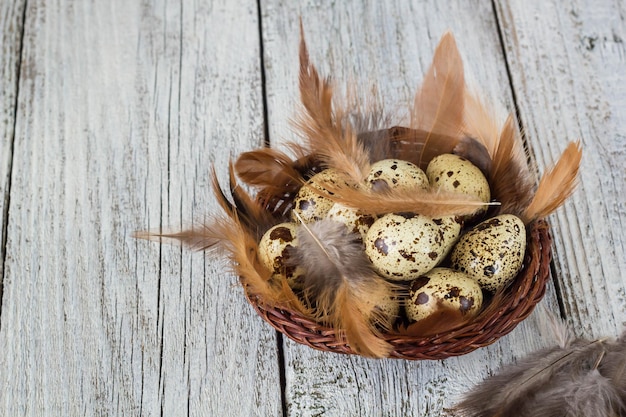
pixel 480 122
pixel 244 255
pixel 326 127
pixel 433 202
pixel 208 236
pixel 509 176
pixel 438 105
pixel 556 185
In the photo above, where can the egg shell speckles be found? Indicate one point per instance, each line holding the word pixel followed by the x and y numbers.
pixel 443 287
pixel 450 229
pixel 453 173
pixel 274 252
pixel 492 252
pixel 355 220
pixel 386 310
pixel 310 205
pixel 404 246
pixel 395 173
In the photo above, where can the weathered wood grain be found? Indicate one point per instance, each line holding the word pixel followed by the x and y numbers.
pixel 391 45
pixel 11 19
pixel 123 107
pixel 568 64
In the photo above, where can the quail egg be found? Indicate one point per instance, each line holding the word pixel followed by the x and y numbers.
pixel 404 246
pixel 395 173
pixel 275 250
pixel 387 308
pixel 450 230
pixel 454 173
pixel 355 220
pixel 309 204
pixel 443 288
pixel 492 252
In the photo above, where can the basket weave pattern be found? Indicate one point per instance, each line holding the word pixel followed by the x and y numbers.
pixel 520 299
pixel 518 302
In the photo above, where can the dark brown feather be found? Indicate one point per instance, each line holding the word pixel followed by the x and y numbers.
pixel 269 168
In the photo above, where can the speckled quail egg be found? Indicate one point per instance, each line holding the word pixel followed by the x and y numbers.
pixel 309 204
pixel 395 173
pixel 450 230
pixel 492 252
pixel 275 250
pixel 443 287
pixel 454 173
pixel 404 246
pixel 355 220
pixel 388 308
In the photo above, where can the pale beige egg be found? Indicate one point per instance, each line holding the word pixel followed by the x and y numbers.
pixel 443 288
pixel 309 205
pixel 492 252
pixel 275 250
pixel 396 173
pixel 404 246
pixel 454 173
pixel 357 221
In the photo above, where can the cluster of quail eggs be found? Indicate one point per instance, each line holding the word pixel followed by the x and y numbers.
pixel 437 260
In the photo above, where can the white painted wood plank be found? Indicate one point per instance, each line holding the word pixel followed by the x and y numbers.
pixel 568 64
pixel 11 16
pixel 392 45
pixel 123 106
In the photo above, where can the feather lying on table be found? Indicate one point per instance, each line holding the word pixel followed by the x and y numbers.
pixel 343 286
pixel 577 378
pixel 439 103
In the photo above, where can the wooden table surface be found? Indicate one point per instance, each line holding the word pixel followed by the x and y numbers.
pixel 111 115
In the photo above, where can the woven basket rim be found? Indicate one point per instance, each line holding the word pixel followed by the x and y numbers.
pixel 520 298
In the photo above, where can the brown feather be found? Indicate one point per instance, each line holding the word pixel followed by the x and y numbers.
pixel 244 254
pixel 325 128
pixel 444 320
pixel 341 283
pixel 248 211
pixel 208 236
pixel 556 185
pixel 509 176
pixel 270 169
pixel 438 105
pixel 576 378
pixel 433 202
pixel 481 123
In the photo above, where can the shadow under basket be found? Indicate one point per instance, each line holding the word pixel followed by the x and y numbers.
pixel 518 301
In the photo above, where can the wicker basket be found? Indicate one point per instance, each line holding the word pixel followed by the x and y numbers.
pixel 518 301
